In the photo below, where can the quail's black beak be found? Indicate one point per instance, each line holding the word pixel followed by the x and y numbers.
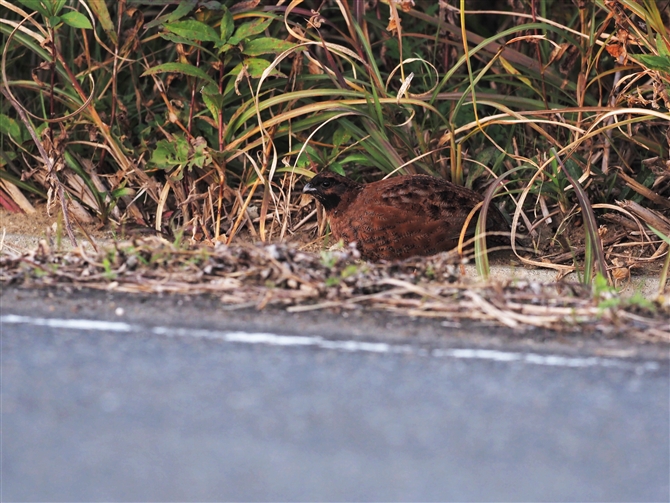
pixel 308 188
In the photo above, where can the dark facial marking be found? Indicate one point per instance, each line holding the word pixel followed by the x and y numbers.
pixel 328 189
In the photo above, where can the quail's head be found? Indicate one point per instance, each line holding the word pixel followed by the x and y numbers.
pixel 329 189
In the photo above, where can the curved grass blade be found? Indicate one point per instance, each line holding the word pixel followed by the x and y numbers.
pixel 666 266
pixel 593 244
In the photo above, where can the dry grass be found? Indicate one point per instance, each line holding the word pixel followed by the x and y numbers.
pixel 282 275
pixel 206 121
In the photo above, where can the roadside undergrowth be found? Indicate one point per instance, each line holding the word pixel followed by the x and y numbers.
pixel 204 119
pixel 247 276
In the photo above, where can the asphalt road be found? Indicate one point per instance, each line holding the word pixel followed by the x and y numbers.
pixel 141 409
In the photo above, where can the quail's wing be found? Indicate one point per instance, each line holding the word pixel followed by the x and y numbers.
pixel 428 197
pixel 384 230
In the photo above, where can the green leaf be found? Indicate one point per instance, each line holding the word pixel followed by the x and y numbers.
pixel 102 15
pixel 170 153
pixel 356 158
pixel 183 68
pixel 36 5
pixel 57 6
pixel 9 155
pixel 255 67
pixel 76 20
pixel 122 192
pixel 182 9
pixel 486 155
pixel 660 234
pixel 54 20
pixel 341 136
pixel 250 29
pixel 660 63
pixel 193 30
pixel 337 168
pixel 663 49
pixel 266 45
pixel 11 127
pixel 299 171
pixel 213 99
pixel 181 40
pixel 224 48
pixel 200 155
pixel 308 155
pixel 227 25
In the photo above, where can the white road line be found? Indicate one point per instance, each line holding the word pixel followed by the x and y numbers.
pixel 271 339
pixel 112 326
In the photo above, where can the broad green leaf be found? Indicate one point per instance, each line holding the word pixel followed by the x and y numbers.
pixel 76 20
pixel 57 6
pixel 250 29
pixel 255 67
pixel 213 99
pixel 193 30
pixel 341 136
pixel 308 155
pixel 181 40
pixel 36 5
pixel 54 20
pixel 170 153
pixel 227 25
pixel 158 21
pixel 224 48
pixel 11 127
pixel 660 63
pixel 183 68
pixel 338 168
pixel 266 45
pixel 101 13
pixel 182 9
pixel 663 50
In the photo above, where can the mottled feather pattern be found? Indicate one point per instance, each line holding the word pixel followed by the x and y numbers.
pixel 398 217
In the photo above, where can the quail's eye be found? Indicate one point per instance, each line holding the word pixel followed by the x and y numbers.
pixel 325 183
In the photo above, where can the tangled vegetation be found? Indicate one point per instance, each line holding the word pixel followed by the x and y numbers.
pixel 206 117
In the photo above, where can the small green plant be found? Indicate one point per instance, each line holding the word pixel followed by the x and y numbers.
pixel 333 281
pixel 350 270
pixel 107 269
pixel 608 297
pixel 606 294
pixel 328 259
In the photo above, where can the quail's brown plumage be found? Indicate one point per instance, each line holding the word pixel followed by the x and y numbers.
pixel 398 217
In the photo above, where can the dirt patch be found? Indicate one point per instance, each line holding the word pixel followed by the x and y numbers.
pixel 23 231
pixel 21 223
